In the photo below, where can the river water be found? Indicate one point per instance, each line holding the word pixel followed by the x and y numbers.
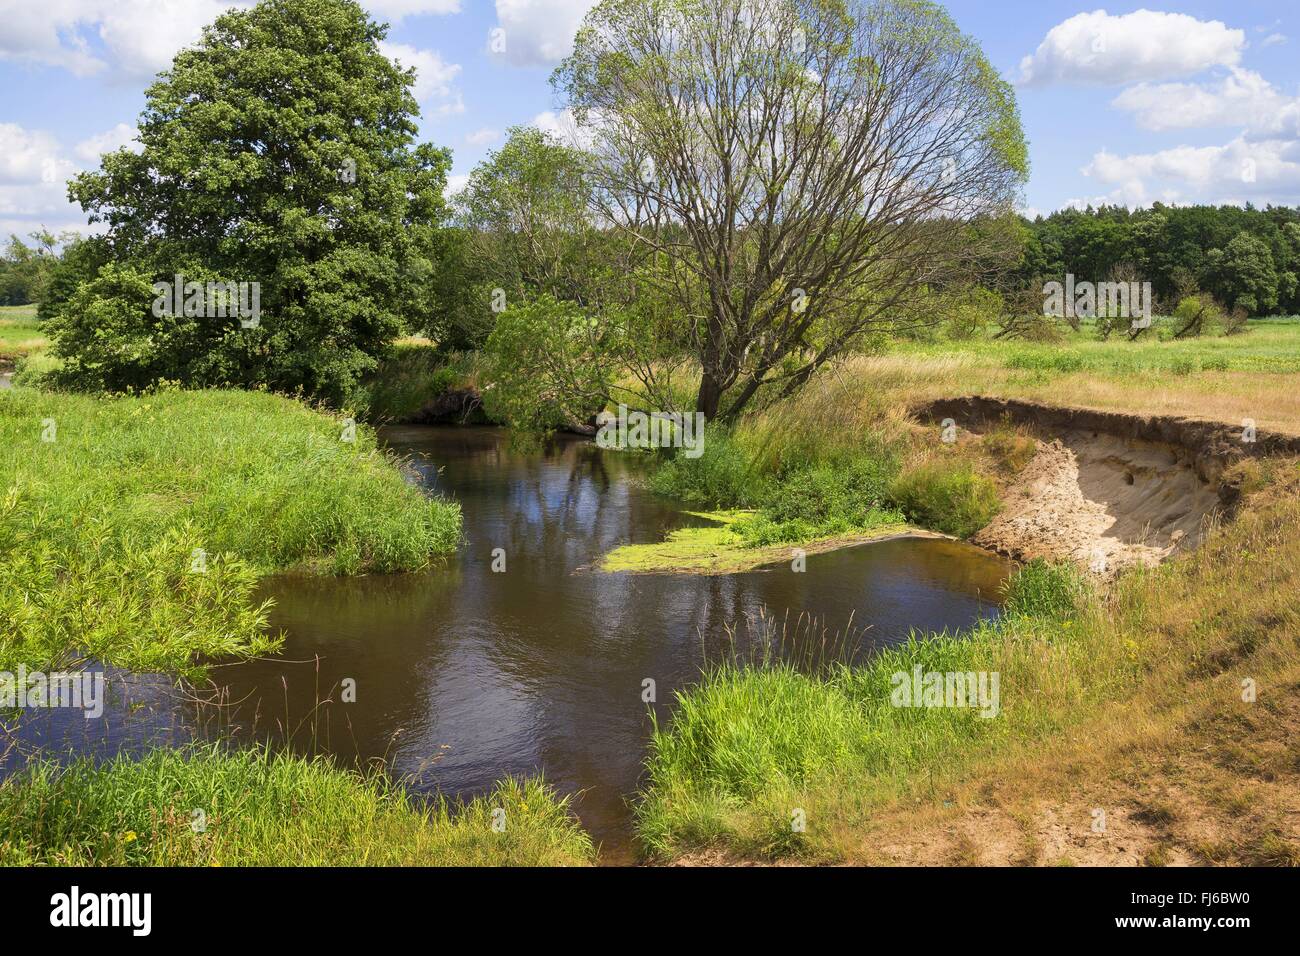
pixel 463 674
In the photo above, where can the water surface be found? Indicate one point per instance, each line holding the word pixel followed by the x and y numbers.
pixel 464 674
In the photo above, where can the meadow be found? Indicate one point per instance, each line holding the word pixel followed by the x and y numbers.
pixel 19 333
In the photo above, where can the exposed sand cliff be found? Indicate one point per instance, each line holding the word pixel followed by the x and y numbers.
pixel 1106 489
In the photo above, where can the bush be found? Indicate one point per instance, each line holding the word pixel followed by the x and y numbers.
pixel 949 496
pixel 547 364
pixel 722 477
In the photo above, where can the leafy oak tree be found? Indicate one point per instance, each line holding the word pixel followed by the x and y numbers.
pixel 279 150
pixel 798 170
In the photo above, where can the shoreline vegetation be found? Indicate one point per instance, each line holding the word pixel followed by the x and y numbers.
pixel 154 516
pixel 205 806
pixel 160 454
pixel 748 743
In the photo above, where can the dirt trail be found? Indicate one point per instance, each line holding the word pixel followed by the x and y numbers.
pixel 1105 489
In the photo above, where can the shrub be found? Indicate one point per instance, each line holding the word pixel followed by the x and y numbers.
pixel 722 477
pixel 547 364
pixel 949 496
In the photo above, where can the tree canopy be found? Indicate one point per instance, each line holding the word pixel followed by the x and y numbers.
pixel 280 150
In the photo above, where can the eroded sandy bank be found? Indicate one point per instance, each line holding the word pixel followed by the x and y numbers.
pixel 1106 489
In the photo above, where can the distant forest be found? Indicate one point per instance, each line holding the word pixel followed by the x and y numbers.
pixel 1247 258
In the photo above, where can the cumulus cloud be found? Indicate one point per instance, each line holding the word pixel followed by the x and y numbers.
pixel 1238 172
pixel 536 32
pixel 433 78
pixel 93 147
pixel 482 137
pixel 1242 99
pixel 1100 49
pixel 563 127
pixel 33 182
pixel 138 37
pixel 395 10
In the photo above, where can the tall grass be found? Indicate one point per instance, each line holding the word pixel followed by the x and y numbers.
pixel 20 333
pixel 947 495
pixel 411 377
pixel 134 529
pixel 756 741
pixel 204 806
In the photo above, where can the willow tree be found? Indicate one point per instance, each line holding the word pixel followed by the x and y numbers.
pixel 796 170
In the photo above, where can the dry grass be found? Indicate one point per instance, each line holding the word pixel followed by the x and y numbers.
pixel 1185 770
pixel 1272 399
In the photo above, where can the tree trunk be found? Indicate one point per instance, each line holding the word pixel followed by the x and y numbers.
pixel 709 396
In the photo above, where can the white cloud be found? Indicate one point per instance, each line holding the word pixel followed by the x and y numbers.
pixel 481 137
pixel 1243 99
pixel 433 78
pixel 1273 39
pixel 395 10
pixel 92 148
pixel 139 37
pixel 33 182
pixel 536 32
pixel 31 157
pixel 1099 49
pixel 455 184
pixel 1238 172
pixel 563 127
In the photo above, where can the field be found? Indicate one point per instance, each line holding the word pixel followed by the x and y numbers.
pixel 19 333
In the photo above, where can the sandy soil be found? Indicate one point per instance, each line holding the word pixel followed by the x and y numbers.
pixel 1102 501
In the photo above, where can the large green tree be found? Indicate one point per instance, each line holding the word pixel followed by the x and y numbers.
pixel 279 150
pixel 799 169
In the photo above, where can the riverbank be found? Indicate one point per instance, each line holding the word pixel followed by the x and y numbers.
pixel 204 806
pixel 1149 725
pixel 155 516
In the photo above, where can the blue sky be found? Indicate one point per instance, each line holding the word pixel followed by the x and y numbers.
pixel 1190 102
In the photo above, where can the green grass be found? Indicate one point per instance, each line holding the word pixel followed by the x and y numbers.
pixel 948 495
pixel 1267 345
pixel 20 333
pixel 755 741
pixel 100 527
pixel 410 378
pixel 208 807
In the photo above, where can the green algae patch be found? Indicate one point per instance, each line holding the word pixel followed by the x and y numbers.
pixel 719 549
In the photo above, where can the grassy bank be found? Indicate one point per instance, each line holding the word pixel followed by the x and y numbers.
pixel 412 378
pixel 134 529
pixel 204 807
pixel 20 335
pixel 1128 682
pixel 796 477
